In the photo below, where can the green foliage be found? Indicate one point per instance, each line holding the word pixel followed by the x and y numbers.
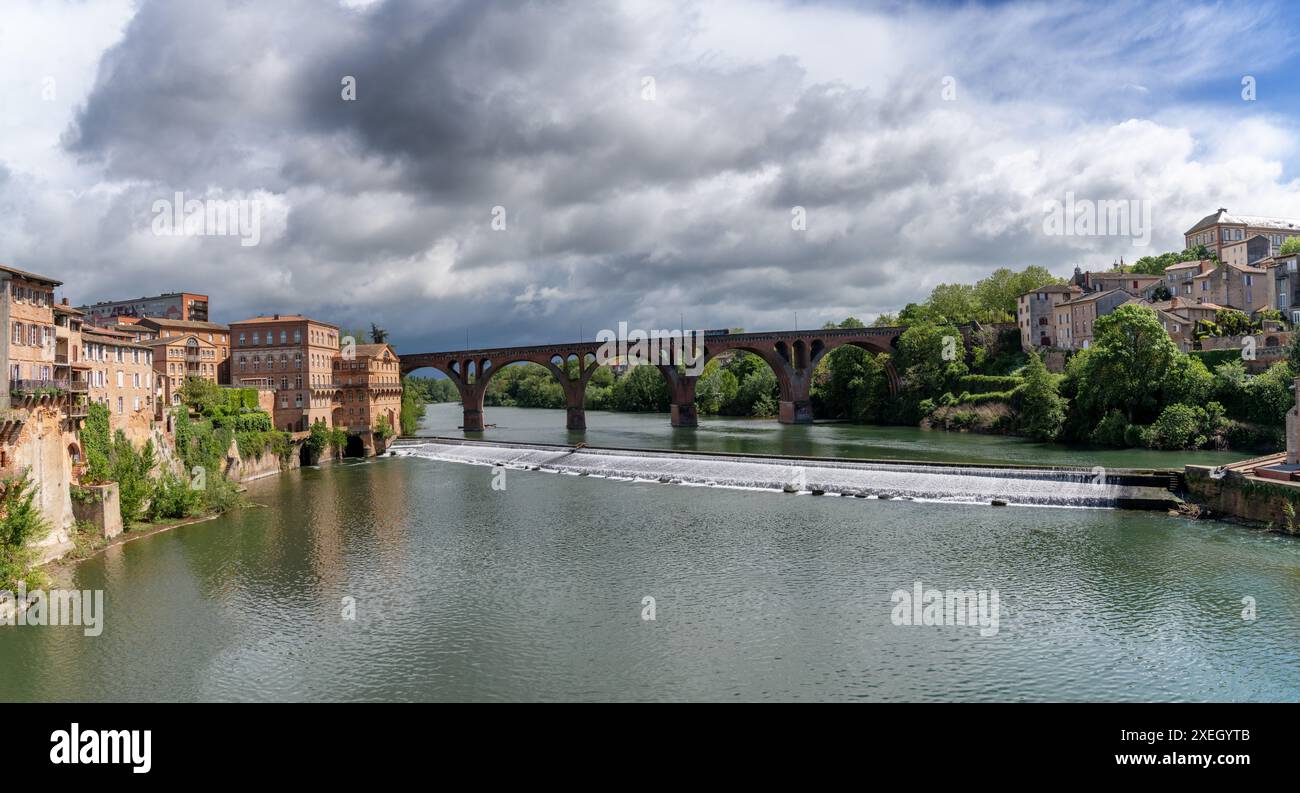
pixel 175 498
pixel 1184 427
pixel 717 387
pixel 132 470
pixel 413 401
pixel 1155 265
pixel 1132 367
pixel 96 443
pixel 322 439
pixel 431 389
pixel 985 383
pixel 1110 431
pixel 525 385
pixel 384 429
pixel 1040 410
pixel 21 521
pixel 641 389
pixel 1289 246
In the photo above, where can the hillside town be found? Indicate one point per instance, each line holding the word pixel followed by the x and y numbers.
pixel 1244 270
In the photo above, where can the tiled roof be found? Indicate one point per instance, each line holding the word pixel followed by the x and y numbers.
pixel 166 322
pixel 282 318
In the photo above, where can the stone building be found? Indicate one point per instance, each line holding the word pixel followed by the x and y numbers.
pixel 1035 314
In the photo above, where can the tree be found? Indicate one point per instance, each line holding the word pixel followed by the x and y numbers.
pixel 201 395
pixel 1290 245
pixel 1231 322
pixel 377 334
pixel 1040 409
pixel 1155 265
pixel 1128 366
pixel 955 303
pixel 997 295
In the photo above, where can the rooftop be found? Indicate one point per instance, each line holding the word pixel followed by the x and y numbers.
pixel 44 279
pixel 167 322
pixel 284 318
pixel 1223 216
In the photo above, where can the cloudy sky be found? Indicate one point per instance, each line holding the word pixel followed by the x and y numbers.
pixel 648 156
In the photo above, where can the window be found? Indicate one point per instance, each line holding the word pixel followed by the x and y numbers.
pixel 297 336
pixel 256 338
pixel 242 361
pixel 119 378
pixel 242 339
pixel 120 408
pixel 284 337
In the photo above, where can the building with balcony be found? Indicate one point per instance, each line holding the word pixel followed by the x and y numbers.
pixel 70 367
pixel 28 346
pixel 177 359
pixel 294 352
pixel 213 333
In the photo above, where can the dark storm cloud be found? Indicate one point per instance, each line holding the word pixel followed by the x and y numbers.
pixel 617 208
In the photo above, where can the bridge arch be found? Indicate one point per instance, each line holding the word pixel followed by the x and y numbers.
pixel 792 356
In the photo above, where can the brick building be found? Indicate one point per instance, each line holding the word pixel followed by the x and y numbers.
pixel 369 388
pixel 213 333
pixel 295 355
pixel 121 376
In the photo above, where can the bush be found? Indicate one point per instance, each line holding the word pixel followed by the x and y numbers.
pixel 20 522
pixel 175 498
pixel 985 383
pixel 1111 430
pixel 1178 427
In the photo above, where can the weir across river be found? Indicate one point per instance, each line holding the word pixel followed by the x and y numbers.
pixel 884 480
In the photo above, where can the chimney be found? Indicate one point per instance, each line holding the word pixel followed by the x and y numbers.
pixel 277 316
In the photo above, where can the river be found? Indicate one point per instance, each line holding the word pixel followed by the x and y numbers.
pixel 536 589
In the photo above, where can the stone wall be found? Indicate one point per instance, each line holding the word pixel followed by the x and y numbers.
pixel 40 447
pixel 101 506
pixel 1245 498
pixel 243 470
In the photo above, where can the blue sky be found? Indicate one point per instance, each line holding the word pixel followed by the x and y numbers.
pixel 622 208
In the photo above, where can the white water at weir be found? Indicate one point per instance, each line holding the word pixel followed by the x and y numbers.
pixel 973 485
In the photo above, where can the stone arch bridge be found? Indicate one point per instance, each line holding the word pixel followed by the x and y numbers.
pixel 793 355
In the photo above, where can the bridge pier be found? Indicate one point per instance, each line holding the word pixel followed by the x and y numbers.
pixel 795 411
pixel 685 415
pixel 471 400
pixel 681 395
pixel 577 418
